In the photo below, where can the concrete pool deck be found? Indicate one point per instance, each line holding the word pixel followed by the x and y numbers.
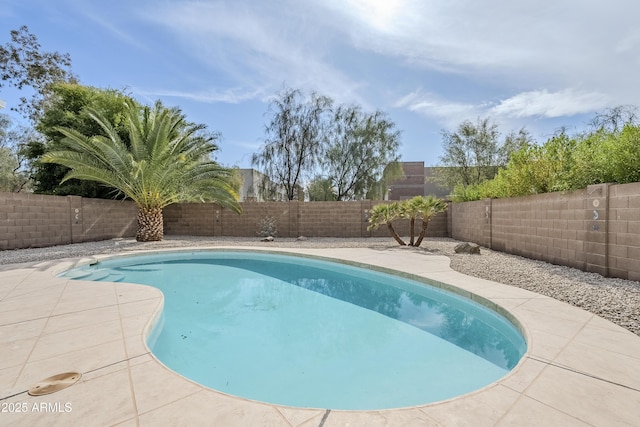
pixel 580 370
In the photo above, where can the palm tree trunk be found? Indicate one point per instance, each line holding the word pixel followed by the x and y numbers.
pixel 150 225
pixel 423 233
pixel 395 235
pixel 413 222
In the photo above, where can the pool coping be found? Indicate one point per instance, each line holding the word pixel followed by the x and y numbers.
pixel 579 368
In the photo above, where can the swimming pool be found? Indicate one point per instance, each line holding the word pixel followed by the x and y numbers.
pixel 308 333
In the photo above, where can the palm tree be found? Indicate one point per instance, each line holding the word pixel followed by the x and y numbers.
pixel 428 207
pixel 384 214
pixel 167 161
pixel 411 209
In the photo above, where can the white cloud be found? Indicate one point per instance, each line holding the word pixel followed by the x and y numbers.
pixel 524 45
pixel 516 111
pixel 515 48
pixel 543 103
pixel 227 96
pixel 445 111
pixel 259 45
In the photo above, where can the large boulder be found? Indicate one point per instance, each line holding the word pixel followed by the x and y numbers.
pixel 467 248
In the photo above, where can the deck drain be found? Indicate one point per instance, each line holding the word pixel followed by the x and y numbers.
pixel 55 383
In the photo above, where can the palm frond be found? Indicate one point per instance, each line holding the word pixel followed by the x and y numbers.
pixel 165 162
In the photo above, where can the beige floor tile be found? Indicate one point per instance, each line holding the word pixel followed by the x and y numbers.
pixel 148 306
pixel 297 417
pixel 531 413
pixel 105 369
pixel 14 275
pixel 156 386
pixel 8 377
pixel 505 291
pixel 129 292
pixel 9 283
pixel 485 407
pixel 510 303
pixel 5 289
pixel 395 418
pixel 26 329
pixel 81 319
pixel 15 352
pixel 553 322
pixel 604 364
pixel 29 284
pixel 545 346
pixel 604 334
pixel 134 325
pixel 78 299
pixel 207 408
pixel 32 287
pixel 140 359
pixel 460 280
pixel 557 309
pixel 25 308
pixel 135 346
pixel 523 375
pixel 102 401
pixel 133 422
pixel 68 341
pixel 594 401
pixel 81 360
pixel 311 422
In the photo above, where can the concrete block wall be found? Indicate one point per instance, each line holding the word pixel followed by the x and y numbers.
pixel 248 224
pixel 550 227
pixel 471 221
pixel 293 219
pixel 596 229
pixel 33 220
pixel 104 219
pixel 624 231
pixel 328 219
pixel 193 219
pixel 37 220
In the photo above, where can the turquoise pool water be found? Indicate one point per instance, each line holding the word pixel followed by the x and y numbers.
pixel 307 333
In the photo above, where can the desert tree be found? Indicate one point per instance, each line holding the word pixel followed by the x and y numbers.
pixel 14 176
pixel 23 64
pixel 474 152
pixel 321 189
pixel 294 139
pixel 360 146
pixel 68 106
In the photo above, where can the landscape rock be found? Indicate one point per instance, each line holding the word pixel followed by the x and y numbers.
pixel 267 239
pixel 467 248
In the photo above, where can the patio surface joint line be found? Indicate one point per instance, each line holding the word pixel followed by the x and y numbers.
pixel 13 395
pixel 567 368
pixel 61 314
pixel 324 417
pixel 88 372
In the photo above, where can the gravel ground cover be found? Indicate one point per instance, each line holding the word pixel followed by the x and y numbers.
pixel 617 300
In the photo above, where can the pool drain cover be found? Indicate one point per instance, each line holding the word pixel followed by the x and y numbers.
pixel 55 383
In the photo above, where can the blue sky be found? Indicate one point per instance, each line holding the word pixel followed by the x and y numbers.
pixel 428 64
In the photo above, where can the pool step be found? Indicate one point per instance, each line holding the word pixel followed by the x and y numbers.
pixel 77 274
pixel 98 275
pixel 114 277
